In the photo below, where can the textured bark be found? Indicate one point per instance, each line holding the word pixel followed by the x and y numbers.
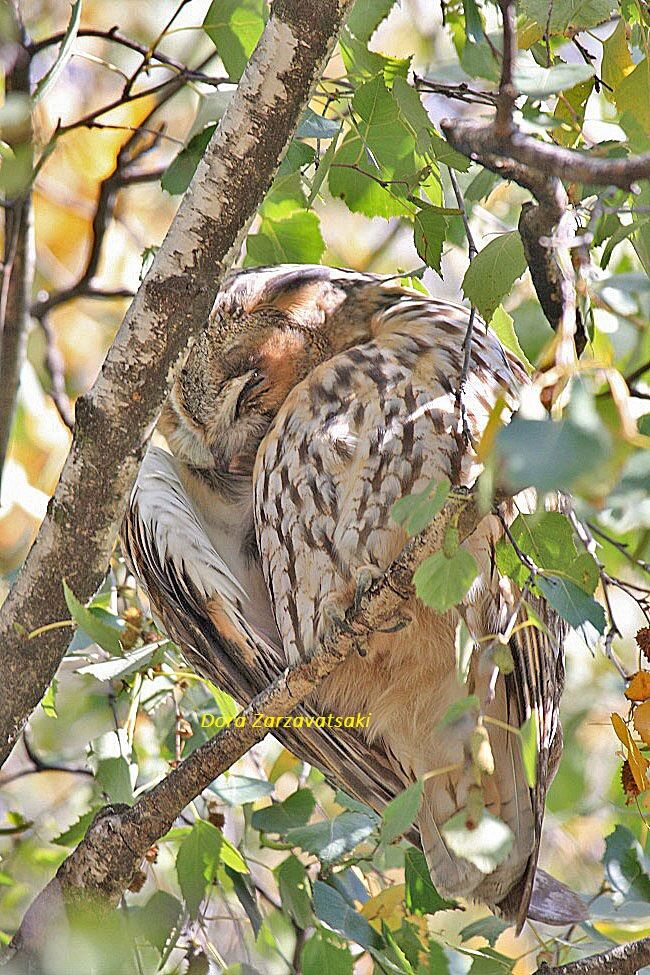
pixel 172 305
pixel 623 960
pixel 97 873
pixel 18 262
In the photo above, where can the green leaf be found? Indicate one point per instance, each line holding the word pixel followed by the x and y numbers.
pixel 633 95
pixel 64 55
pixel 366 17
pixel 294 240
pixel 320 956
pixel 48 701
pixel 572 603
pixel 116 667
pixel 114 777
pixel 237 790
pixel 74 834
pixel 490 928
pixel 293 884
pixel 486 846
pixel 473 23
pixel 401 812
pixel 282 816
pixel 626 867
pixel 333 910
pixel 547 539
pixel 235 27
pixel 199 855
pixel 457 711
pixel 570 112
pixel 105 636
pixel 535 81
pixel 529 753
pixel 416 511
pixel 421 896
pixel 502 325
pixel 617 59
pixel 181 170
pixel 157 919
pixel 330 839
pixel 431 227
pixel 565 14
pixel 492 273
pixel 375 169
pixel 547 454
pixel 313 126
pixel 442 582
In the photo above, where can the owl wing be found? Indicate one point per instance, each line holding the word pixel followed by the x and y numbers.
pixel 368 426
pixel 202 606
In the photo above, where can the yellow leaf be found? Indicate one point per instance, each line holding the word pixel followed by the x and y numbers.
pixel 642 721
pixel 633 94
pixel 387 905
pixel 638 764
pixel 617 60
pixel 639 687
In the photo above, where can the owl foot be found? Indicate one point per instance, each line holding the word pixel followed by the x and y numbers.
pixel 365 579
pixel 333 620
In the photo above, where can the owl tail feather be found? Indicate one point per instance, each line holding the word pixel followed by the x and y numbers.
pixel 552 902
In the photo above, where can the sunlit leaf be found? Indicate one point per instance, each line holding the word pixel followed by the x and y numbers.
pixel 420 894
pixel 401 812
pixel 442 582
pixel 282 816
pixel 235 27
pixel 492 273
pixel 105 636
pixel 331 908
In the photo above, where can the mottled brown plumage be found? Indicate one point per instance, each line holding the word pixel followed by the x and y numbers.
pixel 315 399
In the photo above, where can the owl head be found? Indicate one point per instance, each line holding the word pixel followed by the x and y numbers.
pixel 269 327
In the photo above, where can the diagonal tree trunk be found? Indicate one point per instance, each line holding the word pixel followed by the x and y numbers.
pixel 172 305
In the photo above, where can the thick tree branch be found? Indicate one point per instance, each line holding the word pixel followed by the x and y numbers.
pixel 97 873
pixel 623 960
pixel 172 305
pixel 18 257
pixel 476 139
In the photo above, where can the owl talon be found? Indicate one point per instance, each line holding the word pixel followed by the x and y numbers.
pixel 366 577
pixel 400 624
pixel 333 617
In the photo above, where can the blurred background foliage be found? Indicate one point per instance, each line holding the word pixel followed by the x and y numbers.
pixel 319 884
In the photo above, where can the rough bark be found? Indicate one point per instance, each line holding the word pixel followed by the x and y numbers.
pixel 113 420
pixel 623 960
pixel 97 873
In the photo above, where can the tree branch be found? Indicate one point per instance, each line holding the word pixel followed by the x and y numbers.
pixel 18 258
pixel 623 960
pixel 97 873
pixel 172 305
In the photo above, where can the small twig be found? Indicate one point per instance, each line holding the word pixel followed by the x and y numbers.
pixel 503 123
pixel 55 367
pixel 467 341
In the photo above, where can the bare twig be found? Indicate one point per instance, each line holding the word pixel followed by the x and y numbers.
pixel 467 341
pixel 153 53
pixel 18 257
pixel 55 367
pixel 503 123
